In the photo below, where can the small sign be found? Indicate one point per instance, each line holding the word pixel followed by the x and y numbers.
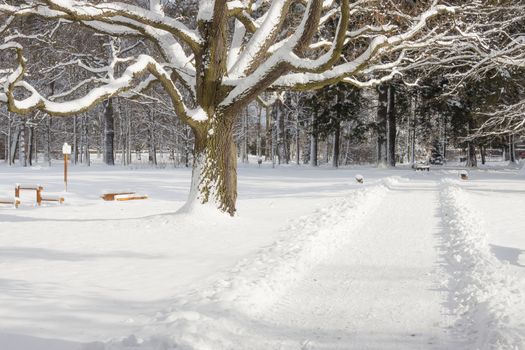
pixel 66 149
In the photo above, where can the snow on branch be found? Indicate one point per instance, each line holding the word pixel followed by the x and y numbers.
pixel 308 73
pixel 112 86
pixel 507 120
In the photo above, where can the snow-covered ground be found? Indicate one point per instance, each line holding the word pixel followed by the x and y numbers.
pixel 314 260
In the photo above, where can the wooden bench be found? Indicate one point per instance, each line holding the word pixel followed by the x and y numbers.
pixel 52 198
pixel 11 201
pixel 30 187
pixel 110 196
pixel 130 197
pixel 422 167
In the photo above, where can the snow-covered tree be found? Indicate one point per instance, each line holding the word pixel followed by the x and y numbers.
pixel 235 51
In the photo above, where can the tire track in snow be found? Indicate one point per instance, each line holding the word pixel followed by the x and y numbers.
pixel 486 298
pixel 223 316
pixel 383 290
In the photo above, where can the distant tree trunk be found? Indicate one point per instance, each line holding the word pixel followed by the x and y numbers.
pixel 269 134
pixel 31 146
pixel 8 143
pixel 85 133
pixel 152 148
pixel 382 114
pixel 391 127
pixel 472 160
pixel 336 148
pixel 258 141
pixel 278 131
pixel 483 152
pixel 505 153
pixel 74 156
pixel 313 140
pixel 48 140
pixel 14 145
pixel 297 139
pixel 245 137
pixel 109 132
pixel 274 141
pixel 328 150
pixel 152 143
pixel 412 130
pixel 82 140
pixel 512 149
pixel 22 152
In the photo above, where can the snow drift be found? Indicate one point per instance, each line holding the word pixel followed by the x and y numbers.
pixel 482 293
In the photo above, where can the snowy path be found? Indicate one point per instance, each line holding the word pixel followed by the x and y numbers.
pixel 381 291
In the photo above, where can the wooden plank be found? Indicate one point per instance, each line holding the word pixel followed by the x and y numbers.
pixel 130 197
pixel 11 201
pixel 49 198
pixel 111 195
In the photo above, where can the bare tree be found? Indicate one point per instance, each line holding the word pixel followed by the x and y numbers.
pixel 237 50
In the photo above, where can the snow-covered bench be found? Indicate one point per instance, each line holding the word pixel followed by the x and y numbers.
pixel 110 196
pixel 130 197
pixel 463 174
pixel 30 187
pixel 12 201
pixel 359 178
pixel 422 167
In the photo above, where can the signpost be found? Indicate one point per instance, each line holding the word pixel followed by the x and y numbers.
pixel 66 150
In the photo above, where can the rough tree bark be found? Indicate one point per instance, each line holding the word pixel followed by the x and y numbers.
pixel 381 121
pixel 336 147
pixel 313 140
pixel 472 160
pixel 391 127
pixel 109 132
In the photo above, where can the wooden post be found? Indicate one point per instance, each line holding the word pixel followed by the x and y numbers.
pixel 66 150
pixel 65 171
pixel 39 190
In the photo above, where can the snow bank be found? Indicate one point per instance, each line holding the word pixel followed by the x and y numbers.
pixel 482 292
pixel 221 317
pixel 257 282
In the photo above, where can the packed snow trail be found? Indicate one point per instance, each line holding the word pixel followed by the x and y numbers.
pixel 384 290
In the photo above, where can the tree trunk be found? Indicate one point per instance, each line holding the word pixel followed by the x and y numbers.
pixel 336 148
pixel 259 152
pixel 22 152
pixel 391 128
pixel 214 177
pixel 74 156
pixel 269 134
pixel 382 112
pixel 313 140
pixel 8 143
pixel 109 132
pixel 483 154
pixel 48 140
pixel 472 160
pixel 14 145
pixel 412 129
pixel 31 145
pixel 297 139
pixel 505 152
pixel 85 132
pixel 512 150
